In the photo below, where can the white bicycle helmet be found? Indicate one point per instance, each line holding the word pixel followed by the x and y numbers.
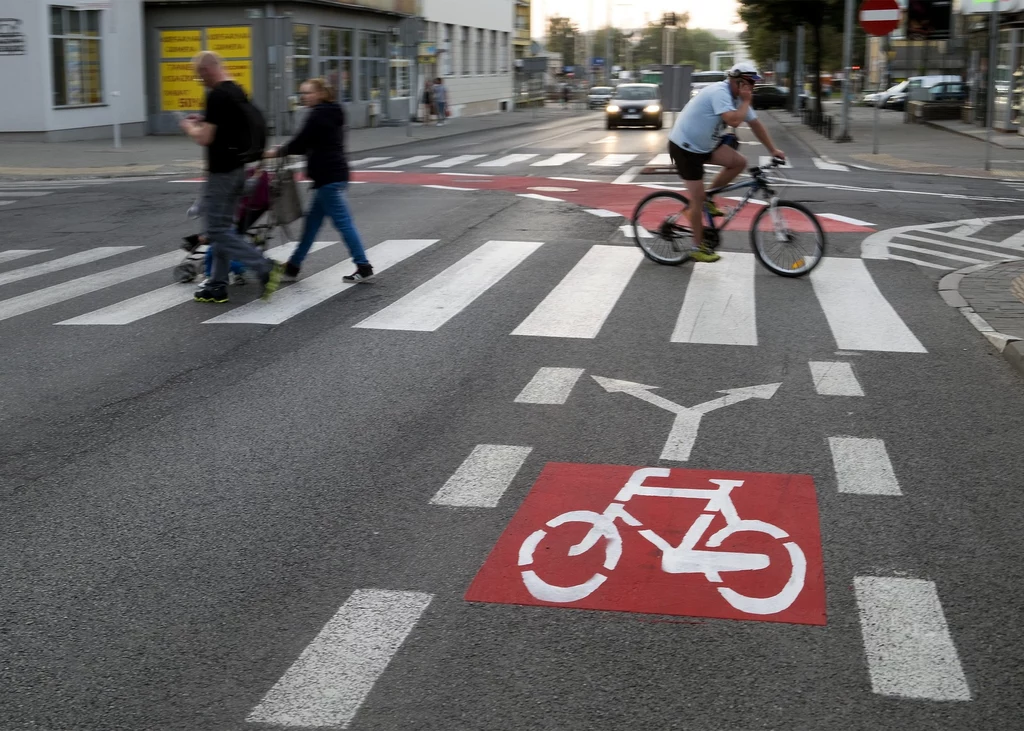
pixel 745 70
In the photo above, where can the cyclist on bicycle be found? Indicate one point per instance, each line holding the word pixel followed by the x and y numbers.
pixel 697 138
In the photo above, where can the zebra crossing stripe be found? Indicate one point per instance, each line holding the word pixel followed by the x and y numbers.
pixel 663 160
pixel 823 165
pixel 65 262
pixel 13 254
pixel 558 160
pixel 483 477
pixel 366 161
pixel 7 203
pixel 332 677
pixel 579 305
pixel 611 161
pixel 164 298
pixel 857 313
pixel 720 306
pixel 507 160
pixel 320 287
pixel 406 161
pixel 85 285
pixel 441 298
pixel 453 161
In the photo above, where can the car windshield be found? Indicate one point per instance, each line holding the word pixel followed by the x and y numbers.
pixel 636 93
pixel 601 90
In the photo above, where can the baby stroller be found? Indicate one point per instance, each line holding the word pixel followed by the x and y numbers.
pixel 255 219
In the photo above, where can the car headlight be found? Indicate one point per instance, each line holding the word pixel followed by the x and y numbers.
pixel 652 109
pixel 612 109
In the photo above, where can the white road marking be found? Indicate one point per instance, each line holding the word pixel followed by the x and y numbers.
pixel 453 161
pixel 441 298
pixel 549 386
pixel 65 291
pixel 919 263
pixel 627 231
pixel 609 138
pixel 366 161
pixel 764 160
pixel 320 287
pixel 7 203
pixel 823 165
pixel 834 378
pixel 862 466
pixel 602 213
pixel 25 193
pixel 65 262
pixel 627 177
pixel 12 254
pixel 578 306
pixel 720 305
pixel 935 252
pixel 968 228
pixel 336 672
pixel 507 160
pixel 752 201
pixel 890 191
pixel 1016 241
pixel 961 247
pixel 845 219
pixel 448 187
pixel 907 643
pixel 859 316
pixel 612 161
pixel 663 160
pixel 558 160
pixel 151 303
pixel 468 175
pixel 483 477
pixel 539 197
pixel 405 161
pixel 577 180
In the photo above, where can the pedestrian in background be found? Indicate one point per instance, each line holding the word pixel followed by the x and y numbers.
pixel 440 100
pixel 427 99
pixel 321 140
pixel 225 131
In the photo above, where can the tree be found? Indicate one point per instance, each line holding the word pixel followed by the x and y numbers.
pixel 649 49
pixel 561 38
pixel 787 15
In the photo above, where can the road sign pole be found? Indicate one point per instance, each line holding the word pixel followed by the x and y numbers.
pixel 874 132
pixel 878 18
pixel 993 48
pixel 844 135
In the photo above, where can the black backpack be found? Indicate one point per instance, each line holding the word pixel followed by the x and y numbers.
pixel 257 132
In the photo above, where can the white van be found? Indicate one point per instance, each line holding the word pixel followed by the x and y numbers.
pixel 917 87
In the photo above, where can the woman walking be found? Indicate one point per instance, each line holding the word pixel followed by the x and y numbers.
pixel 321 140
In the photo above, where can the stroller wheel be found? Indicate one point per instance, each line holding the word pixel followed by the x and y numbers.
pixel 185 272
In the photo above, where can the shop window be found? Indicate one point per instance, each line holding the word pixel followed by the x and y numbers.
pixel 301 53
pixel 373 66
pixel 494 51
pixel 465 52
pixel 336 60
pixel 447 63
pixel 76 55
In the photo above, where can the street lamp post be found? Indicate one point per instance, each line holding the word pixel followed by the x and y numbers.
pixel 844 135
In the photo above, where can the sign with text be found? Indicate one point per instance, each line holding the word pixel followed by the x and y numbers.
pixel 233 42
pixel 703 543
pixel 180 43
pixel 179 90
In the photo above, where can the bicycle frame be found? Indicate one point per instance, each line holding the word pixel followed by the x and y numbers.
pixel 757 184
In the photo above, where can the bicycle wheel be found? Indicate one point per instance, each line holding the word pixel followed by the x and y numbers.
pixel 787 239
pixel 660 228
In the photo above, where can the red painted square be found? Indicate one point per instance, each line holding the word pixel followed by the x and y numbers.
pixel 736 545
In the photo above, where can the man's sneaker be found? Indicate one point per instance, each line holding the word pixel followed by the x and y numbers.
pixel 236 280
pixel 361 274
pixel 704 254
pixel 713 209
pixel 217 294
pixel 291 272
pixel 272 280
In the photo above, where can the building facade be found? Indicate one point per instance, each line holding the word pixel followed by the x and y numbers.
pixel 522 28
pixel 468 43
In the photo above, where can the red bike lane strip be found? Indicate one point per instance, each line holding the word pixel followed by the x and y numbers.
pixel 614 538
pixel 621 199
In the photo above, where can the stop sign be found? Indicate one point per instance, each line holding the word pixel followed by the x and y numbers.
pixel 879 17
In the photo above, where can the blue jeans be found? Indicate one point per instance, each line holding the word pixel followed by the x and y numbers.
pixel 222 194
pixel 329 200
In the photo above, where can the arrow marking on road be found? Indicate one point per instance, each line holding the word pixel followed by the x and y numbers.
pixel 687 422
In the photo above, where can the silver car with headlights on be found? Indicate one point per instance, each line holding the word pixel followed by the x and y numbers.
pixel 634 105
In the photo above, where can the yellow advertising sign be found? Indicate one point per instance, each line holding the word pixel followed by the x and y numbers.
pixel 179 90
pixel 180 43
pixel 233 42
pixel 241 72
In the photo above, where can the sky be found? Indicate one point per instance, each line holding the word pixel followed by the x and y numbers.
pixel 717 14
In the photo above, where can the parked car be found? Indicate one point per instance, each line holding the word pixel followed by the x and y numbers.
pixel 914 84
pixel 768 96
pixel 951 91
pixel 881 97
pixel 599 96
pixel 634 105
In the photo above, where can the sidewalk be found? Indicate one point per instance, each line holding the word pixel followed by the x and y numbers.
pixel 991 297
pixel 177 155
pixel 942 148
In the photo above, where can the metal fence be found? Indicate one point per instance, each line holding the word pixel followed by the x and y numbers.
pixel 820 123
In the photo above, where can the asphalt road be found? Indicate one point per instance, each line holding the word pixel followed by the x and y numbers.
pixel 244 526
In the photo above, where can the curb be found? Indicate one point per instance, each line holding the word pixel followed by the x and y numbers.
pixel 1011 347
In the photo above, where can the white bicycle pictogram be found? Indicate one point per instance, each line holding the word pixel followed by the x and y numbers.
pixel 681 559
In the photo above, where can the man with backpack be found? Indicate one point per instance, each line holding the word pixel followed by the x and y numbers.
pixel 233 132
